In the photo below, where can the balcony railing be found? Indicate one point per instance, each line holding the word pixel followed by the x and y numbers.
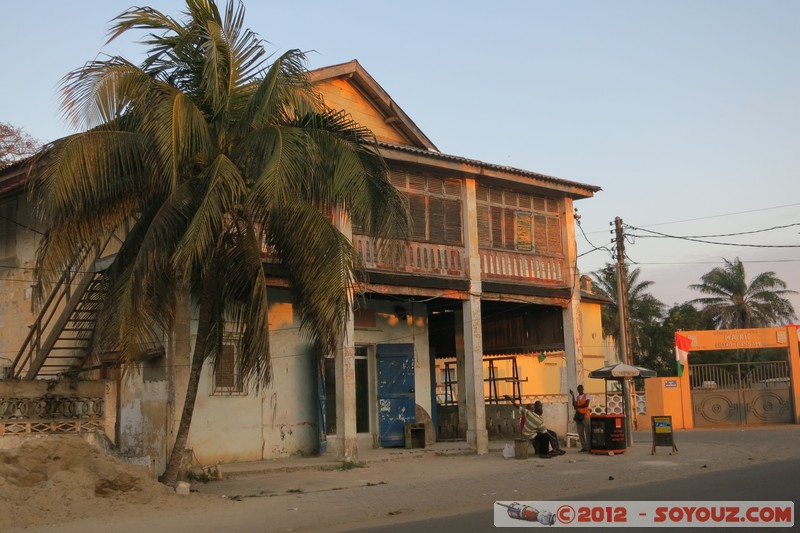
pixel 496 264
pixel 412 258
pixel 449 261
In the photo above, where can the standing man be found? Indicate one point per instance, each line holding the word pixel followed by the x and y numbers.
pixel 581 418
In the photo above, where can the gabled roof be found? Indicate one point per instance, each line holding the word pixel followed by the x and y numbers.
pixel 354 73
pixel 349 87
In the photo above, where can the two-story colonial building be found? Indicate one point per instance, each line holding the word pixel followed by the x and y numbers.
pixel 489 273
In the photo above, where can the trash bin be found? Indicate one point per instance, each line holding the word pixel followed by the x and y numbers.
pixel 608 434
pixel 415 435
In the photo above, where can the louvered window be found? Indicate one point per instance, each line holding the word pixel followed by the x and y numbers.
pixel 509 220
pixel 434 205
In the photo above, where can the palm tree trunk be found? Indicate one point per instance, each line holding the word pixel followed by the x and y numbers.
pixel 170 475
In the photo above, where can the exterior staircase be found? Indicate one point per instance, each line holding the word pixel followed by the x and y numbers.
pixel 60 340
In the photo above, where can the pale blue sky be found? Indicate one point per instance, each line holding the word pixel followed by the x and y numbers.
pixel 679 110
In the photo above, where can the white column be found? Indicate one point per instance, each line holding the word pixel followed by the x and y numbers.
pixel 573 334
pixel 347 447
pixel 477 435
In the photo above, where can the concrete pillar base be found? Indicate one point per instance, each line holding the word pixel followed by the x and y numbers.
pixel 348 450
pixel 478 440
pixel 343 450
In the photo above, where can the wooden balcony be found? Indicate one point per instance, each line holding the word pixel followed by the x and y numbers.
pixel 525 267
pixel 412 258
pixel 449 261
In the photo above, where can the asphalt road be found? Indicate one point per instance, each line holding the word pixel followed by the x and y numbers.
pixel 775 481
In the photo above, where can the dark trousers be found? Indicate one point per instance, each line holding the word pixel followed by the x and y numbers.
pixel 553 437
pixel 541 443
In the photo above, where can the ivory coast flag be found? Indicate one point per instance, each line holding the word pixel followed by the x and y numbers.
pixel 682 347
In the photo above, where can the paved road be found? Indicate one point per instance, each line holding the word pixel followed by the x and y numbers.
pixel 777 481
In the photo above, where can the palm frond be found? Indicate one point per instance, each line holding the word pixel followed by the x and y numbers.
pixel 224 191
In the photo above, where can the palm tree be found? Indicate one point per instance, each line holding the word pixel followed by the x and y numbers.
pixel 643 308
pixel 212 153
pixel 735 304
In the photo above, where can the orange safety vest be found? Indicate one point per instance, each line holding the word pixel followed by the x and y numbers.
pixel 581 398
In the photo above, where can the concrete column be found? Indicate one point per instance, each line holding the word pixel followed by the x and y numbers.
pixel 461 389
pixel 573 331
pixel 477 435
pixel 110 404
pixel 347 447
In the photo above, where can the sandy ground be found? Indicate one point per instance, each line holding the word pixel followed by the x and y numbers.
pixel 76 489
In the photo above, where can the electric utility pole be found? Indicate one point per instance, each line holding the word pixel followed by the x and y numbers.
pixel 622 312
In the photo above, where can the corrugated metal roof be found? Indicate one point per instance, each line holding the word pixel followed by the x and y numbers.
pixel 489 166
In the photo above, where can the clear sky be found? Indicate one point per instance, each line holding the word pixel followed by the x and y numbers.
pixel 685 112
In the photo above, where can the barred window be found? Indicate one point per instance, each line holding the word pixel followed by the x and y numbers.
pixel 227 379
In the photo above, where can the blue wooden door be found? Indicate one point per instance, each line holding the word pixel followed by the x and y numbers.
pixel 396 405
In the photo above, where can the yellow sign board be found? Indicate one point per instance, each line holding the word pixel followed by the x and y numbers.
pixel 735 339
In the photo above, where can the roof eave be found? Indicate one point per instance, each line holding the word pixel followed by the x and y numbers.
pixel 511 175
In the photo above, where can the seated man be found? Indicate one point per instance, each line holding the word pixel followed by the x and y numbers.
pixel 534 429
pixel 551 435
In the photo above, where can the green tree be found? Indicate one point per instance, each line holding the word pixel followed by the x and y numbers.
pixel 210 152
pixel 660 335
pixel 644 309
pixel 733 303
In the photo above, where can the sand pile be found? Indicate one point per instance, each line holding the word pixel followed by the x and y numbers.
pixel 61 478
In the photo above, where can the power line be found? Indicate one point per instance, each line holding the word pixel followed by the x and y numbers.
pixel 712 216
pixel 659 235
pixel 705 241
pixel 723 215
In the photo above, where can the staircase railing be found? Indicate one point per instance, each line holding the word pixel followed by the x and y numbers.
pixel 56 312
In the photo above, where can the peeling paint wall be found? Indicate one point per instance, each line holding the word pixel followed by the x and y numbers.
pixel 16 280
pixel 142 418
pixel 275 421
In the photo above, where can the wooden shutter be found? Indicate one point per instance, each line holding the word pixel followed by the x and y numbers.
pixel 452 216
pixel 540 233
pixel 497 227
pixel 509 228
pixel 484 227
pixel 416 207
pixel 436 219
pixel 553 236
pixel 398 178
pixel 416 182
pixel 452 188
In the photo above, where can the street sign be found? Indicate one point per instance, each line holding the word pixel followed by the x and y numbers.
pixel 662 432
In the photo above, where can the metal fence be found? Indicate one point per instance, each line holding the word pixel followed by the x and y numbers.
pixel 733 376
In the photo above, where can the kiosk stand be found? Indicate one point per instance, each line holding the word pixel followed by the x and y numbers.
pixel 608 434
